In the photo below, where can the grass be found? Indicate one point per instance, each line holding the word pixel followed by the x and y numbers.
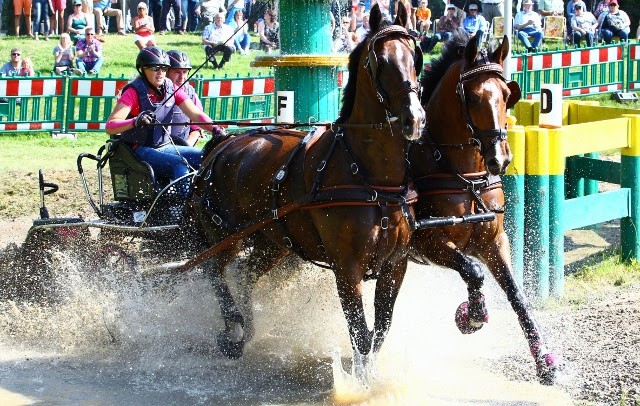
pixel 120 54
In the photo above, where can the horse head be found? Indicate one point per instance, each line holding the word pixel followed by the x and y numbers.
pixel 483 96
pixel 392 62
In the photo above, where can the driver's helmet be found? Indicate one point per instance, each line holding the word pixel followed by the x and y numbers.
pixel 179 60
pixel 151 56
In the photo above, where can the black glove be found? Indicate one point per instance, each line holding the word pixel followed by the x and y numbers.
pixel 219 131
pixel 144 118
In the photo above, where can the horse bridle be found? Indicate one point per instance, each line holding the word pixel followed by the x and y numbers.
pixel 372 66
pixel 493 135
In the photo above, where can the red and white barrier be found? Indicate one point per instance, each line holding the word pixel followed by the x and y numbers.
pixel 238 87
pixel 31 87
pixel 578 57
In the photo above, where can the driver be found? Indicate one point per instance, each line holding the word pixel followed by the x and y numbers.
pixel 178 74
pixel 150 99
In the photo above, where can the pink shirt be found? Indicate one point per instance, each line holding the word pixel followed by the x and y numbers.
pixel 130 98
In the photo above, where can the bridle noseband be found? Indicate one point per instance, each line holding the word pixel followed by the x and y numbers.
pixel 493 135
pixel 373 68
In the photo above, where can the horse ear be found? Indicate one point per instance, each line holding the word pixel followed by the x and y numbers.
pixel 375 17
pixel 401 17
pixel 471 52
pixel 501 53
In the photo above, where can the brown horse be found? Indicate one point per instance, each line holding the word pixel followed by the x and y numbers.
pixel 339 198
pixel 456 172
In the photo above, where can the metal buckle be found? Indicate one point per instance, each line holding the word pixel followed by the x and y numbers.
pixel 354 168
pixel 287 242
pixel 217 220
pixel 384 223
pixel 321 167
pixel 275 214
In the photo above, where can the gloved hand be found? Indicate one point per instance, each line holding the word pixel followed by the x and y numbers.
pixel 219 131
pixel 144 118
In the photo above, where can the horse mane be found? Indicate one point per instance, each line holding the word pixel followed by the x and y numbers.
pixel 349 92
pixel 452 52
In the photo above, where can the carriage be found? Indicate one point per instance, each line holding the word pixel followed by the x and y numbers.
pixel 342 198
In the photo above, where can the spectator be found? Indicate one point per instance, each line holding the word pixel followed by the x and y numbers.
pixel 192 20
pixel 445 27
pixel 423 17
pixel 551 8
pixel 102 8
pixel 529 24
pixel 357 15
pixel 602 6
pixel 155 11
pixel 64 54
pixel 143 27
pixel 415 4
pixel 13 67
pixel 492 8
pixel 57 19
pixel 344 40
pixel 407 6
pixel 149 99
pixel 570 12
pixel 206 10
pixel 232 7
pixel 168 5
pixel 474 22
pixel 583 25
pixel 26 67
pixel 178 73
pixel 89 57
pixel 363 30
pixel 41 14
pixel 218 37
pixel 78 22
pixel 614 22
pixel 22 7
pixel 241 40
pixel 269 31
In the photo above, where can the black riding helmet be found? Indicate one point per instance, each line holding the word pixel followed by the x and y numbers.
pixel 179 59
pixel 151 56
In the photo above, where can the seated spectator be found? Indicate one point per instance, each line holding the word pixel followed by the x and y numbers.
pixel 64 54
pixel 551 8
pixel 78 21
pixel 423 17
pixel 241 40
pixel 89 57
pixel 143 27
pixel 474 22
pixel 103 8
pixel 362 31
pixel 344 39
pixel 583 25
pixel 13 67
pixel 570 12
pixel 445 27
pixel 529 24
pixel 269 31
pixel 218 37
pixel 209 8
pixel 26 67
pixel 356 16
pixel 614 22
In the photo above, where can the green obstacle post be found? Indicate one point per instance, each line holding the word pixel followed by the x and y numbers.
pixel 536 215
pixel 306 71
pixel 513 183
pixel 630 178
pixel 556 212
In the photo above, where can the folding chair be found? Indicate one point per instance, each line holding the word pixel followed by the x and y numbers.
pixel 555 27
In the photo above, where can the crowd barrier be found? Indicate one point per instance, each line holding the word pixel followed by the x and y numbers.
pixel 552 187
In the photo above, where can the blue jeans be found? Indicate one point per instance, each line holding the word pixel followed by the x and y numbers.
pixel 242 43
pixel 527 32
pixel 87 66
pixel 194 20
pixel 168 160
pixel 40 13
pixel 155 11
pixel 166 6
pixel 608 34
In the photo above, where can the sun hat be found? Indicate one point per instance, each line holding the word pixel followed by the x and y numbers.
pixel 473 6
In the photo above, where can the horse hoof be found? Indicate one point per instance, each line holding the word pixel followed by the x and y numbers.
pixel 228 348
pixel 463 321
pixel 546 368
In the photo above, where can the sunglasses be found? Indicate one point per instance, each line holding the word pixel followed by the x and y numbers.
pixel 156 68
pixel 90 35
pixel 15 54
pixel 613 5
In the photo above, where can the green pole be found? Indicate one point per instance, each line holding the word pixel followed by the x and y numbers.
pixel 629 178
pixel 556 212
pixel 306 69
pixel 513 183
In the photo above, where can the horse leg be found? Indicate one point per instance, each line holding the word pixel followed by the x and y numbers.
pixel 231 340
pixel 471 315
pixel 498 258
pixel 264 256
pixel 349 287
pixel 387 289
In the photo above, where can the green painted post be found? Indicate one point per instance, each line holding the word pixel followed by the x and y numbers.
pixel 536 216
pixel 513 183
pixel 556 212
pixel 306 65
pixel 630 178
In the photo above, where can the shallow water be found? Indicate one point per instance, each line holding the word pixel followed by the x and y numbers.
pixel 124 342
